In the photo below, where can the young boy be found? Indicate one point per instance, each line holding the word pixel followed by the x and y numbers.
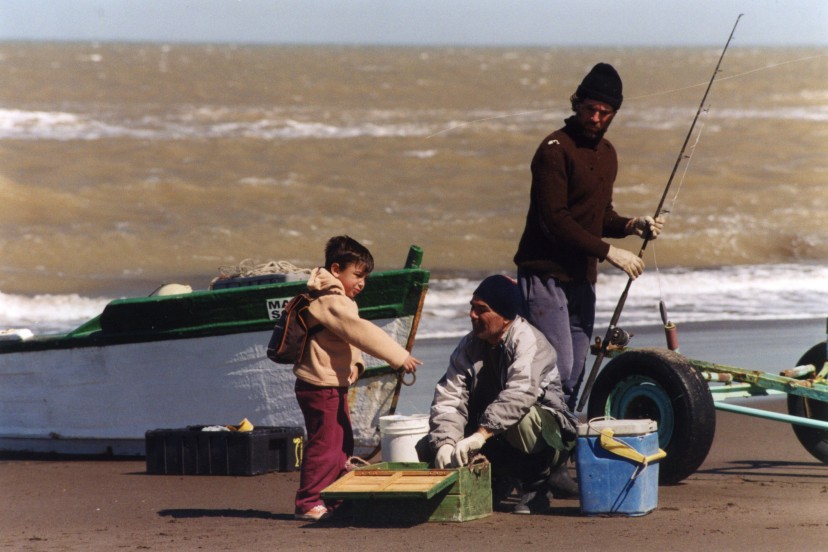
pixel 333 362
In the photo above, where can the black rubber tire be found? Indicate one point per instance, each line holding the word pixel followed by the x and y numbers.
pixel 662 386
pixel 814 440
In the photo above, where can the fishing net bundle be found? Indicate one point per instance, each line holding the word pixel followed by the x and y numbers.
pixel 250 267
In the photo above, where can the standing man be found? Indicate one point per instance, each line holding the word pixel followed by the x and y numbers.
pixel 501 395
pixel 570 210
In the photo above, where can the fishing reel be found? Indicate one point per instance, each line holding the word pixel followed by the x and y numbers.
pixel 619 337
pixel 616 338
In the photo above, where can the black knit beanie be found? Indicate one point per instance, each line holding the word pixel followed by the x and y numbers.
pixel 602 84
pixel 501 293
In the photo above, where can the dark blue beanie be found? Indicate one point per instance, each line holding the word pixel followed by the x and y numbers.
pixel 602 84
pixel 502 294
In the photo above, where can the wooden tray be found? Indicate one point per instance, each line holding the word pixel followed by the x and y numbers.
pixel 410 493
pixel 386 483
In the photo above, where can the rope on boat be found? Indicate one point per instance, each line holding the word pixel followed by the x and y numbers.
pixel 251 267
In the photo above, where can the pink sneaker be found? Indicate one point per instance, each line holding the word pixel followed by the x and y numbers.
pixel 317 513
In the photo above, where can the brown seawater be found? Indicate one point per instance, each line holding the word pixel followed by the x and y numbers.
pixel 126 165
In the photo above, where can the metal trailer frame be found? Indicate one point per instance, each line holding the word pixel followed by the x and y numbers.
pixel 682 394
pixel 806 381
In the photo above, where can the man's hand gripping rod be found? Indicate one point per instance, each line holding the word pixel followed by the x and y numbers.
pixel 599 358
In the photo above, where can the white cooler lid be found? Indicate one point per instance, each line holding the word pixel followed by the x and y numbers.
pixel 619 427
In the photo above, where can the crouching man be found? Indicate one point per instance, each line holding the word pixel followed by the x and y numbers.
pixel 501 396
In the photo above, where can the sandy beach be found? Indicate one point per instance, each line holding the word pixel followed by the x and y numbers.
pixel 758 490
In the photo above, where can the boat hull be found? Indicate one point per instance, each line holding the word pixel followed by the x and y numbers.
pixel 97 400
pixel 194 359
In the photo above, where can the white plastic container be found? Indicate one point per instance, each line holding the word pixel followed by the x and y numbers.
pixel 400 435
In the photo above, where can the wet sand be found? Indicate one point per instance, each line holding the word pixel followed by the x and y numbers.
pixel 758 490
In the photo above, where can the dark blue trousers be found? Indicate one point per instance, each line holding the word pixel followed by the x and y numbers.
pixel 565 313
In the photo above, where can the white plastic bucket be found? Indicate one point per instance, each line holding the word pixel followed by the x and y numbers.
pixel 400 435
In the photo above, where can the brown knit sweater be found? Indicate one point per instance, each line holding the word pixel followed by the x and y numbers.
pixel 570 207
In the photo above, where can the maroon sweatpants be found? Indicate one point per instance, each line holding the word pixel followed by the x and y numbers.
pixel 330 440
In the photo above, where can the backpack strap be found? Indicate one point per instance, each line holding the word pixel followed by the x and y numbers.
pixel 311 296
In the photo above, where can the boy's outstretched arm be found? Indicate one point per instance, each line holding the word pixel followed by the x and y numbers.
pixel 410 364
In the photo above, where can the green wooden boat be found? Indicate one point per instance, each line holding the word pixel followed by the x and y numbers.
pixel 195 358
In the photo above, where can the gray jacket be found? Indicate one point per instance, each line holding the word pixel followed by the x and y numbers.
pixel 526 365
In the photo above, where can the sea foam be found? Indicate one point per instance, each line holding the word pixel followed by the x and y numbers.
pixel 738 293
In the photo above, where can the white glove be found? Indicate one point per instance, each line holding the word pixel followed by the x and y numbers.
pixel 443 458
pixel 648 227
pixel 466 448
pixel 630 263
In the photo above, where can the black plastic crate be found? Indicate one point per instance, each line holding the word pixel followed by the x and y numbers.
pixel 191 451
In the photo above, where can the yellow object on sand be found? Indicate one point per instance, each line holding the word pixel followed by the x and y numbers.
pixel 244 425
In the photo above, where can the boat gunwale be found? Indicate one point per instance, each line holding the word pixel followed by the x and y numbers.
pixel 410 283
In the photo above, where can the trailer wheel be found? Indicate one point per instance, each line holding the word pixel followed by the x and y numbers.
pixel 662 386
pixel 814 440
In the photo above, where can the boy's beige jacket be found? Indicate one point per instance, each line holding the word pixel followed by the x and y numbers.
pixel 333 358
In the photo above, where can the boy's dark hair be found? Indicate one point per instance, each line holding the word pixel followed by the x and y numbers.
pixel 344 250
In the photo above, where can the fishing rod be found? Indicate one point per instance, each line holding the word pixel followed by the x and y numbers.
pixel 613 329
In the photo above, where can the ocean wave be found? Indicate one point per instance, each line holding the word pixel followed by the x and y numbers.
pixel 48 313
pixel 199 122
pixel 63 126
pixel 737 293
pixel 18 124
pixel 671 118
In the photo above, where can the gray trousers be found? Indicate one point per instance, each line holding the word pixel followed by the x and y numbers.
pixel 527 451
pixel 565 313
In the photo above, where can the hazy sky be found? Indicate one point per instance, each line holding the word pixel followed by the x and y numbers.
pixel 439 22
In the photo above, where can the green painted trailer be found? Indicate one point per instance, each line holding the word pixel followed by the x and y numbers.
pixel 683 394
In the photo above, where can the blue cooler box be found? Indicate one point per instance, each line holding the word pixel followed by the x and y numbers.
pixel 611 484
